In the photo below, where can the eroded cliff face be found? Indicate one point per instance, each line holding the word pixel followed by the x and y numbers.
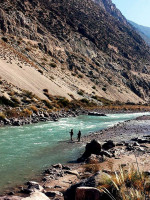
pixel 91 44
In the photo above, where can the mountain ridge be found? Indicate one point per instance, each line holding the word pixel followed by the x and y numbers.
pixel 142 30
pixel 87 47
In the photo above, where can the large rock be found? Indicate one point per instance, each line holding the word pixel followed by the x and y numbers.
pixel 33 186
pixel 94 147
pixel 108 145
pixel 93 181
pixel 36 196
pixel 53 194
pixel 10 198
pixel 96 114
pixel 95 159
pixel 90 193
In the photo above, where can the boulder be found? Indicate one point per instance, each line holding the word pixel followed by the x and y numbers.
pixel 32 186
pixel 108 145
pixel 107 154
pixel 10 198
pixel 36 196
pixel 53 194
pixel 93 181
pixel 73 172
pixel 7 121
pixel 96 114
pixel 94 159
pixel 59 166
pixel 141 140
pixel 94 147
pixel 130 147
pixel 90 193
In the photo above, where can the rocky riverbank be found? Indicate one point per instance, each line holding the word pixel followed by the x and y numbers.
pixel 43 116
pixel 129 146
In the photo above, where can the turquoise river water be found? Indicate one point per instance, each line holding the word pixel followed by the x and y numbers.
pixel 26 151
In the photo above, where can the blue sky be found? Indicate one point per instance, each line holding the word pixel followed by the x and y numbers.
pixel 135 10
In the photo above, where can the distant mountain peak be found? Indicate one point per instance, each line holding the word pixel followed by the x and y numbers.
pixel 110 8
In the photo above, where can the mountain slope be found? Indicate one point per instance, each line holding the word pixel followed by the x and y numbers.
pixel 143 31
pixel 77 45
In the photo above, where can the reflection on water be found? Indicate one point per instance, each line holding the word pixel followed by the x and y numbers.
pixel 25 151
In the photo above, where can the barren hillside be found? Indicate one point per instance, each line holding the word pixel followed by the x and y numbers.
pixel 74 49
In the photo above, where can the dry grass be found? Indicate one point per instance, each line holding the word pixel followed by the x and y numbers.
pixel 128 185
pixel 2 116
pixel 34 109
pixel 92 167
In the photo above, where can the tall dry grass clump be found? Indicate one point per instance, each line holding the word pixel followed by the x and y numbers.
pixel 127 185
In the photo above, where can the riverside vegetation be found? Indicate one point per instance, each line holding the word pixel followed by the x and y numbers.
pixel 23 107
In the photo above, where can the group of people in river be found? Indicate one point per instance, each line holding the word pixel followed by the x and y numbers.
pixel 78 135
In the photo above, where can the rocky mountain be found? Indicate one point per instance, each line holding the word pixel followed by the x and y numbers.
pixel 143 31
pixel 110 8
pixel 76 49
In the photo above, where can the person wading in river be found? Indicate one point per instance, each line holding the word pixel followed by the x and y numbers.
pixel 71 134
pixel 79 136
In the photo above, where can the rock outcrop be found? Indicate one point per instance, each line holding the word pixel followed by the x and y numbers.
pixel 94 147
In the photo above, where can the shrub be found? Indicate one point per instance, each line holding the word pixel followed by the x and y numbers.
pixel 92 168
pixel 80 92
pixel 49 96
pixel 73 74
pixel 28 49
pixel 47 103
pixel 45 59
pixel 7 102
pixel 11 93
pixel 11 113
pixel 39 70
pixel 63 102
pixel 104 89
pixel 28 94
pixel 94 87
pixel 126 185
pixel 2 116
pixel 45 90
pixel 86 101
pixel 15 100
pixel 5 39
pixel 25 100
pixel 34 109
pixel 53 65
pixel 80 76
pixel 26 112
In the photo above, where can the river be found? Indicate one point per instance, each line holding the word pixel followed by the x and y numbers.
pixel 25 151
